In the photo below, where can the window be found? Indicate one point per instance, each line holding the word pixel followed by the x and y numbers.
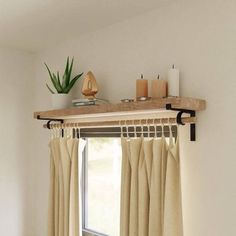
pixel 101 186
pixel 102 179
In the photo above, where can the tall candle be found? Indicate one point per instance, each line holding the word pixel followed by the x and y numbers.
pixel 159 88
pixel 173 82
pixel 141 87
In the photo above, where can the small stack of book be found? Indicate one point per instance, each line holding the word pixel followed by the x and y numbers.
pixel 87 102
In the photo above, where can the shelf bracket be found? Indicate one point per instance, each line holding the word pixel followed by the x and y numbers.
pixel 49 120
pixel 192 113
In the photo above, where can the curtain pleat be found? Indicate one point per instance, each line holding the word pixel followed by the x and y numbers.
pixel 135 151
pixel 155 217
pixel 63 216
pixel 74 191
pixel 172 206
pixel 150 188
pixel 52 193
pixel 143 194
pixel 125 189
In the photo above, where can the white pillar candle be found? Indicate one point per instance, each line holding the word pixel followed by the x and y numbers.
pixel 173 82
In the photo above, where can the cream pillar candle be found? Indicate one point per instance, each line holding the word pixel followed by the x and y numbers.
pixel 141 87
pixel 159 88
pixel 173 82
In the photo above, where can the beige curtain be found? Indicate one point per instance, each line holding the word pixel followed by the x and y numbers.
pixel 64 201
pixel 150 188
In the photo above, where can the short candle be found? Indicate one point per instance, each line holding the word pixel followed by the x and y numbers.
pixel 141 87
pixel 159 88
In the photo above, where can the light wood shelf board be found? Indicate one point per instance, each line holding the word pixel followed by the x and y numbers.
pixel 154 105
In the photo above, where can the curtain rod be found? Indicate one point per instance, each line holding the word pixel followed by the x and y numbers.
pixel 136 122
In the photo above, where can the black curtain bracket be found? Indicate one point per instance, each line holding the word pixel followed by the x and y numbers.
pixel 50 120
pixel 179 121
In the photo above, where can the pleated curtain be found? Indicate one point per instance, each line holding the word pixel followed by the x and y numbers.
pixel 64 196
pixel 150 188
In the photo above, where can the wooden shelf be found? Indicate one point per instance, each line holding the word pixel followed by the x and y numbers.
pixel 154 104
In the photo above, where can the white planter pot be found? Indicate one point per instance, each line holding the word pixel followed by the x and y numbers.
pixel 61 100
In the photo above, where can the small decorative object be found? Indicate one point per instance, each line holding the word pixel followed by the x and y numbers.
pixel 63 85
pixel 127 100
pixel 159 88
pixel 141 87
pixel 142 99
pixel 173 82
pixel 89 88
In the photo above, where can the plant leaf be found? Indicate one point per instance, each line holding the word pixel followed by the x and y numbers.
pixel 69 72
pixel 50 89
pixel 79 75
pixel 71 84
pixel 55 83
pixel 49 72
pixel 59 81
pixel 65 73
pixel 53 79
pixel 64 81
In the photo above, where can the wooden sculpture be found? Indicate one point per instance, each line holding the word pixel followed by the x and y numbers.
pixel 89 88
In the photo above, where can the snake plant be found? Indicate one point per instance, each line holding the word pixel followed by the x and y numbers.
pixel 63 84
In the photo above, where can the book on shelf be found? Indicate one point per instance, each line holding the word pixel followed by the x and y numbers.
pixel 88 102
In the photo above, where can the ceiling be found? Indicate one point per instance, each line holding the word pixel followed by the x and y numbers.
pixel 35 24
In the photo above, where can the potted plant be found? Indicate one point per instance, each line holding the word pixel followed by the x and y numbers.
pixel 63 85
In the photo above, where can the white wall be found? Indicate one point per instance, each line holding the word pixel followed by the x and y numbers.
pixel 16 102
pixel 200 38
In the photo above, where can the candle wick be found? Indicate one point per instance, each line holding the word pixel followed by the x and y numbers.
pixel 173 66
pixel 158 77
pixel 141 76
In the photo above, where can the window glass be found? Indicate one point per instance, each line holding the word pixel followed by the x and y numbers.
pixel 103 177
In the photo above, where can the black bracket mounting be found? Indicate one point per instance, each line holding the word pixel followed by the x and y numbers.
pixel 50 120
pixel 180 122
